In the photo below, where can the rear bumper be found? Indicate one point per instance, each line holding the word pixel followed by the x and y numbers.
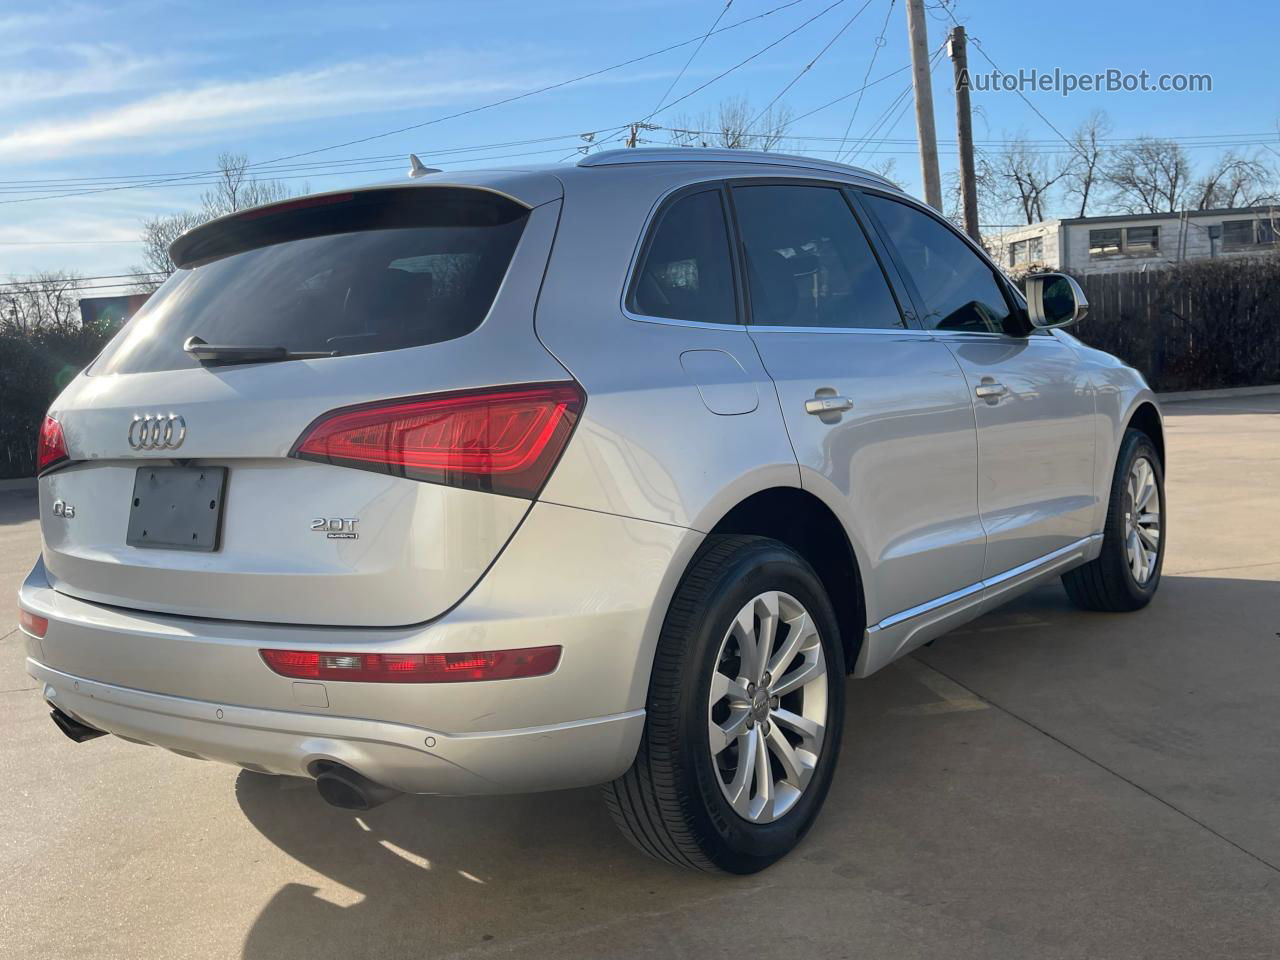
pixel 406 758
pixel 594 583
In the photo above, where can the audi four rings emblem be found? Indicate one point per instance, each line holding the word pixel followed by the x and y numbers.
pixel 162 431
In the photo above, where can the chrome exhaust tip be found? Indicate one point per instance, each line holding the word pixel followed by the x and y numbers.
pixel 343 787
pixel 73 728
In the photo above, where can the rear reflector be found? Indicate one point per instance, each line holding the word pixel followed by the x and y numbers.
pixel 51 446
pixel 414 667
pixel 503 440
pixel 30 623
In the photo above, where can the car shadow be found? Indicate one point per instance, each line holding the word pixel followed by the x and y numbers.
pixel 423 876
pixel 427 876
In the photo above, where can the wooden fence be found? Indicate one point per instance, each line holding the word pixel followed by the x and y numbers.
pixel 1197 326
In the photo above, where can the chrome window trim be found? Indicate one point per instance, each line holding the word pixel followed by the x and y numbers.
pixel 674 322
pixel 986 335
pixel 909 332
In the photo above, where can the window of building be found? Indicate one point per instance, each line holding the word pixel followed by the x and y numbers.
pixel 1104 243
pixel 1243 234
pixel 1142 240
pixel 1023 252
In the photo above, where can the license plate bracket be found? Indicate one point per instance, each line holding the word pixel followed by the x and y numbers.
pixel 177 508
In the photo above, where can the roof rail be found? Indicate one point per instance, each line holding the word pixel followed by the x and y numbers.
pixel 609 158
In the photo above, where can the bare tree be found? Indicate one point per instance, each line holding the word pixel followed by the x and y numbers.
pixel 1149 176
pixel 1021 176
pixel 1084 172
pixel 234 190
pixel 48 301
pixel 886 168
pixel 990 208
pixel 1233 181
pixel 734 126
pixel 157 234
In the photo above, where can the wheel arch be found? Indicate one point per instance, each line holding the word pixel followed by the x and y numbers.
pixel 1146 418
pixel 806 524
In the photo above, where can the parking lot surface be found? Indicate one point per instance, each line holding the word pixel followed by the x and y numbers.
pixel 1043 783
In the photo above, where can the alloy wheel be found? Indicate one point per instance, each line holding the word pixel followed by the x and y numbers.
pixel 767 712
pixel 1142 521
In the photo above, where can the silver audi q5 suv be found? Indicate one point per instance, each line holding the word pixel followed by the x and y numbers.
pixel 600 474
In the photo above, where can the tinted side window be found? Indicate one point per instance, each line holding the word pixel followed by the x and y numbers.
pixel 959 290
pixel 808 262
pixel 686 273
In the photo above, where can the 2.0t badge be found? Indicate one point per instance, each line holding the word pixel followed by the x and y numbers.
pixel 336 528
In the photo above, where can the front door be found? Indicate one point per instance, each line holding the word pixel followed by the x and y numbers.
pixel 1033 407
pixel 878 413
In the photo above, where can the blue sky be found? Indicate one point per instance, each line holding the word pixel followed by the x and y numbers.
pixel 95 89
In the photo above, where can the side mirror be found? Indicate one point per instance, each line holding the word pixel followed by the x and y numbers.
pixel 1055 300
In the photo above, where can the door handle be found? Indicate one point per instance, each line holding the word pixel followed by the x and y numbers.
pixel 990 390
pixel 826 404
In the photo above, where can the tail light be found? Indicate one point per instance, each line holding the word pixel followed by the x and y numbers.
pixel 413 667
pixel 51 447
pixel 32 624
pixel 503 440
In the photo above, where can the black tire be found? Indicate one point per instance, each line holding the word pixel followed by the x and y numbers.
pixel 670 803
pixel 1107 583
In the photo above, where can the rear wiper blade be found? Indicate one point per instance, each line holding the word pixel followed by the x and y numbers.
pixel 211 354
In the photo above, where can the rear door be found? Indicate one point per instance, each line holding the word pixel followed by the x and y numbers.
pixel 1032 403
pixel 414 292
pixel 878 412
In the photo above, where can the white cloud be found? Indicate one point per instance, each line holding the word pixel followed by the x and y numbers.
pixel 76 69
pixel 178 118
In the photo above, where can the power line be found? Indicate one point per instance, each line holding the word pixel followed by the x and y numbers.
pixel 902 98
pixel 680 76
pixel 946 8
pixel 439 152
pixel 742 63
pixel 54 281
pixel 879 45
pixel 58 243
pixel 452 116
pixel 851 93
pixel 808 66
pixel 456 154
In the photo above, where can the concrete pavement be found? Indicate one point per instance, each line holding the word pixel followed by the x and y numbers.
pixel 1044 783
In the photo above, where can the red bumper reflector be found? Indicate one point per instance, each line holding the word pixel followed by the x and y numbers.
pixel 30 623
pixel 413 667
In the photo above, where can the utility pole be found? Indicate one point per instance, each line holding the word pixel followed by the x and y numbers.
pixel 918 29
pixel 635 132
pixel 964 132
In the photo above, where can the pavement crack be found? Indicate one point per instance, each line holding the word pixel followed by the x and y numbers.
pixel 1115 773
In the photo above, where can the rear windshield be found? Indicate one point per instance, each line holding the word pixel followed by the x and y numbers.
pixel 355 273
